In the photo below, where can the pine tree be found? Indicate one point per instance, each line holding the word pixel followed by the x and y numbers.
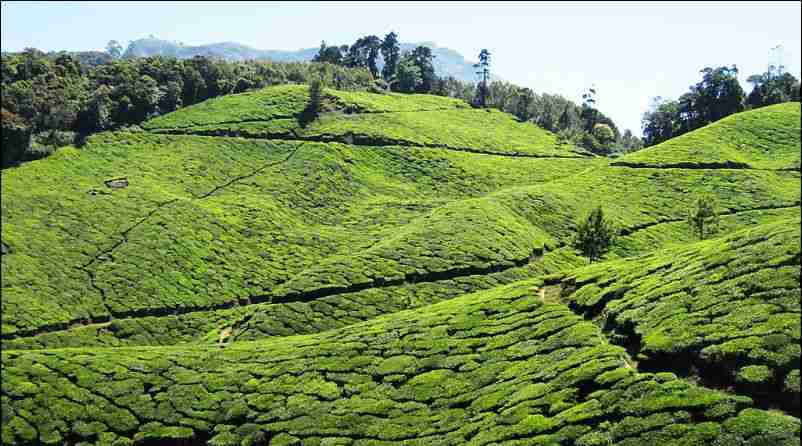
pixel 594 235
pixel 702 217
pixel 391 53
pixel 484 71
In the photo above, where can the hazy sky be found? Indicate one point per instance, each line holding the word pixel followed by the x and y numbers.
pixel 631 51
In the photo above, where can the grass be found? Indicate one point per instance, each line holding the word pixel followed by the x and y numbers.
pixel 765 138
pixel 391 273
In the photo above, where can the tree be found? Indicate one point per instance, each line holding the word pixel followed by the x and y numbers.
pixel 719 94
pixel 391 53
pixel 330 54
pixel 566 121
pixel 484 71
pixel 16 138
pixel 629 142
pixel 422 57
pixel 521 104
pixel 408 75
pixel 364 54
pixel 589 113
pixel 114 49
pixel 703 217
pixel 96 114
pixel 315 104
pixel 768 89
pixel 604 134
pixel 594 235
pixel 661 122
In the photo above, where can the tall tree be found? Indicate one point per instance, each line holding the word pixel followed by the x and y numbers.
pixel 483 67
pixel 364 53
pixel 768 89
pixel 717 95
pixel 589 113
pixel 391 53
pixel 423 58
pixel 408 75
pixel 661 121
pixel 566 120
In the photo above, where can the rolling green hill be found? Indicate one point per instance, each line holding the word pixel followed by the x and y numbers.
pixel 365 119
pixel 728 307
pixel 489 368
pixel 398 271
pixel 766 138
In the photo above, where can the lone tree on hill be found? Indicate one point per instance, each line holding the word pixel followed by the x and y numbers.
pixel 484 71
pixel 594 235
pixel 703 217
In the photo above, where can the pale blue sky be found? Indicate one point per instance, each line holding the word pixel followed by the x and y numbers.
pixel 631 51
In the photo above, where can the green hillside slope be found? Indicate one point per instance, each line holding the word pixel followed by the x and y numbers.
pixel 498 367
pixel 766 138
pixel 728 308
pixel 364 119
pixel 397 271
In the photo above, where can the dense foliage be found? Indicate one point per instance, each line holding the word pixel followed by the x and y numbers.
pixel 58 100
pixel 413 72
pixel 717 95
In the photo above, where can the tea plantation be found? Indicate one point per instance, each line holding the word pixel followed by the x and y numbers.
pixel 399 270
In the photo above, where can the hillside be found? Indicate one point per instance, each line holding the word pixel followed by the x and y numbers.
pixel 766 138
pixel 447 62
pixel 398 271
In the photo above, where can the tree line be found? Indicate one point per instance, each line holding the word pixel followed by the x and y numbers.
pixel 413 72
pixel 52 100
pixel 717 95
pixel 405 72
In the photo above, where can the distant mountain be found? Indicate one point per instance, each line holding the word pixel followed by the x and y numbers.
pixel 447 62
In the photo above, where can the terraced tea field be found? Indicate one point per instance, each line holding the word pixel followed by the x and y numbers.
pixel 398 271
